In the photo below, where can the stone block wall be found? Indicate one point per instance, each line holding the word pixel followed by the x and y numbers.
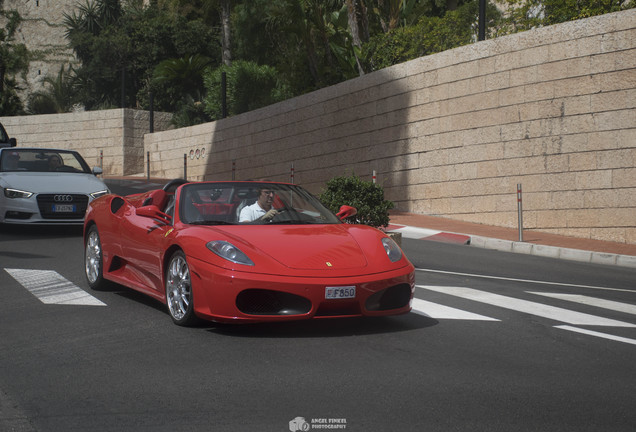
pixel 113 139
pixel 452 134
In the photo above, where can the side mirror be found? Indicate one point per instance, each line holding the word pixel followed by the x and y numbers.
pixel 346 211
pixel 13 142
pixel 153 212
pixel 97 171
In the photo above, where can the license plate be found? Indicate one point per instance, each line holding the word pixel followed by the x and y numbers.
pixel 63 208
pixel 343 292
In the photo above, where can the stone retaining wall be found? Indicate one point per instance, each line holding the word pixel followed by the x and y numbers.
pixel 113 139
pixel 452 134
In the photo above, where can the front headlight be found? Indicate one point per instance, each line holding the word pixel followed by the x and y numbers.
pixel 393 251
pixel 97 194
pixel 229 252
pixel 16 193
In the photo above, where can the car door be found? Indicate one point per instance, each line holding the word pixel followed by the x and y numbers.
pixel 143 243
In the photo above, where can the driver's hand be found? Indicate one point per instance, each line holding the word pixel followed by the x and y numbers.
pixel 270 214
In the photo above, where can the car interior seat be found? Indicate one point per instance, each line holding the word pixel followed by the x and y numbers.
pixel 248 197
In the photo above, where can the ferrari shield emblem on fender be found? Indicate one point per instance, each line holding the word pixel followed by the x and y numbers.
pixel 328 264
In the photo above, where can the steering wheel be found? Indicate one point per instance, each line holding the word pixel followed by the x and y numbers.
pixel 172 185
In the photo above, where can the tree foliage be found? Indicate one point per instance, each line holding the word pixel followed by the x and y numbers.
pixel 57 97
pixel 431 34
pixel 174 49
pixel 526 14
pixel 119 49
pixel 249 86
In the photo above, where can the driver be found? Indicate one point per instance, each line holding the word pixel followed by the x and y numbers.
pixel 54 162
pixel 262 209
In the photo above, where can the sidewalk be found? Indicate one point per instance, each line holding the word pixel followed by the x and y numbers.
pixel 507 239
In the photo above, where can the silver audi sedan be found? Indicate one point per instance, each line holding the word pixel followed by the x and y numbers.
pixel 46 186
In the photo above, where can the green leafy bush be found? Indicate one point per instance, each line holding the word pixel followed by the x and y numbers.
pixel 249 86
pixel 366 196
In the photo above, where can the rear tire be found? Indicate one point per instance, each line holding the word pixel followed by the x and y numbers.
pixel 93 260
pixel 179 296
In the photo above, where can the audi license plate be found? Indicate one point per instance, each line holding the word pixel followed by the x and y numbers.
pixel 343 292
pixel 64 208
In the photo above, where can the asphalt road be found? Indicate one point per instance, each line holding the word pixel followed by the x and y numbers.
pixel 496 342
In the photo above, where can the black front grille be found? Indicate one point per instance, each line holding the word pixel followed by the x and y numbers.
pixel 269 302
pixel 394 297
pixel 62 206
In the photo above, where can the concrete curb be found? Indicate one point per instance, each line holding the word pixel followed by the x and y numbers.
pixel 554 252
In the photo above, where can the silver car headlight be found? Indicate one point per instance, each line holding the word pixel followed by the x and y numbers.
pixel 17 193
pixel 97 194
pixel 393 251
pixel 229 252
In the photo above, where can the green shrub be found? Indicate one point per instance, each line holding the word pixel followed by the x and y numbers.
pixel 366 196
pixel 249 87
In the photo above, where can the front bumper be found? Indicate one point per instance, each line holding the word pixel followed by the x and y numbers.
pixel 41 210
pixel 231 296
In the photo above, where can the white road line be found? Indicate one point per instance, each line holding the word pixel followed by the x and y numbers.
pixel 51 288
pixel 525 280
pixel 592 301
pixel 598 334
pixel 437 311
pixel 538 309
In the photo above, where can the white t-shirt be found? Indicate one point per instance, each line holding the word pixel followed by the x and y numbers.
pixel 251 213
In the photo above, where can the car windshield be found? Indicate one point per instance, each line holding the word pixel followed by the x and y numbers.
pixel 229 203
pixel 31 160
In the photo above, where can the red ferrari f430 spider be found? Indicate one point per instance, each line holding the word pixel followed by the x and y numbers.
pixel 244 252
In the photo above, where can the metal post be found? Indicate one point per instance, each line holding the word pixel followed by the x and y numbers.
pixel 292 173
pixel 223 94
pixel 233 169
pixel 185 166
pixel 152 112
pixel 481 33
pixel 148 165
pixel 123 87
pixel 101 159
pixel 520 212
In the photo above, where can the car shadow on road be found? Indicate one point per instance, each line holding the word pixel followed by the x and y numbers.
pixel 10 232
pixel 321 328
pixel 311 328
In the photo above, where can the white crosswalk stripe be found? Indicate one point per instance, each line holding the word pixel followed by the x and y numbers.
pixel 592 301
pixel 525 306
pixel 52 288
pixel 437 311
pixel 597 334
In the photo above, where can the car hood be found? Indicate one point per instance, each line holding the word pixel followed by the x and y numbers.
pixel 303 247
pixel 41 182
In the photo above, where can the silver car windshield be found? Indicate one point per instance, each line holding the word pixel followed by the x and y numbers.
pixel 31 160
pixel 228 203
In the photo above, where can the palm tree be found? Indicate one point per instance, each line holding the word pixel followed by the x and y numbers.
pixel 58 98
pixel 187 72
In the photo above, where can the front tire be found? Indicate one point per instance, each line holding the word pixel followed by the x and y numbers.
pixel 179 296
pixel 93 260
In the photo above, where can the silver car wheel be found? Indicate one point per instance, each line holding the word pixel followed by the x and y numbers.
pixel 179 289
pixel 93 257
